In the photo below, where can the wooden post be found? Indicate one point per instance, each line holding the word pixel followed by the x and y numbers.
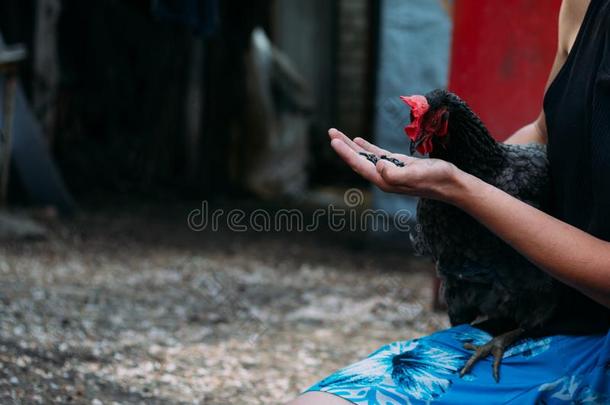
pixel 194 111
pixel 46 64
pixel 9 60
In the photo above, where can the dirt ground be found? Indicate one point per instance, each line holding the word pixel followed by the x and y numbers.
pixel 131 306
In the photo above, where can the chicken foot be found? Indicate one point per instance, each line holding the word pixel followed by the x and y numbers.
pixel 496 347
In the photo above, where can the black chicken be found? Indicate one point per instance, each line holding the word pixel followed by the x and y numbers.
pixel 483 277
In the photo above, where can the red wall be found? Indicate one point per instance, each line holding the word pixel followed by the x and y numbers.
pixel 501 56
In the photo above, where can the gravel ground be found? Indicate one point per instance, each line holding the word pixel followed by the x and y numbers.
pixel 133 307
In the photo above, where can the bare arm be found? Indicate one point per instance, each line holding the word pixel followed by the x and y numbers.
pixel 565 252
pixel 531 133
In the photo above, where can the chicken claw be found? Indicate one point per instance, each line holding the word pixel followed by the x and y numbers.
pixel 496 347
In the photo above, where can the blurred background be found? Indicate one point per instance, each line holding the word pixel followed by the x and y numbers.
pixel 122 118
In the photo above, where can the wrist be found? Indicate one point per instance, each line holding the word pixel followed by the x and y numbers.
pixel 464 187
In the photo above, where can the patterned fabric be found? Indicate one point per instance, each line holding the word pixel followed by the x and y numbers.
pixel 552 370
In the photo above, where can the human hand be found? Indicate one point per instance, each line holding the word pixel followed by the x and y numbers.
pixel 428 178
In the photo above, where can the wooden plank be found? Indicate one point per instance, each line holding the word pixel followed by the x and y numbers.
pixel 46 64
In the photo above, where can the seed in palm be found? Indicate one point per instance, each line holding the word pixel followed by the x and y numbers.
pixel 370 157
pixel 393 160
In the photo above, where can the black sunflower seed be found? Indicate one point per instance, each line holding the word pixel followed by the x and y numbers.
pixel 370 157
pixel 393 160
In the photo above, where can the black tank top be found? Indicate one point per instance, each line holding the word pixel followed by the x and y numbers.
pixel 577 109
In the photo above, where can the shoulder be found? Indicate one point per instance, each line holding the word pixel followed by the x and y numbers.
pixel 571 16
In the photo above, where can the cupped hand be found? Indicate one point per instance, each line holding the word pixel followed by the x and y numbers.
pixel 429 178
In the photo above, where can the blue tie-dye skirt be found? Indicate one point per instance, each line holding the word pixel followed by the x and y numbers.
pixel 552 370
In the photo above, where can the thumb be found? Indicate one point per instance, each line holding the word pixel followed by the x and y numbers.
pixel 386 171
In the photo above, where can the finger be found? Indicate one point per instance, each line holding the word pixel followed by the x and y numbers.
pixel 356 161
pixel 392 174
pixel 372 148
pixel 336 134
pixel 359 163
pixel 369 147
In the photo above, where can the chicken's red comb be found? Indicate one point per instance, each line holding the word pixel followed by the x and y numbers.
pixel 419 106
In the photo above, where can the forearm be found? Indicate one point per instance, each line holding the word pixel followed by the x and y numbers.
pixel 565 252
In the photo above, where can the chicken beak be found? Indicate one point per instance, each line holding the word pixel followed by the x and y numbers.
pixel 415 144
